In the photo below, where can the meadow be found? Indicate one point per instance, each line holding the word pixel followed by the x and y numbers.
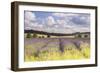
pixel 47 49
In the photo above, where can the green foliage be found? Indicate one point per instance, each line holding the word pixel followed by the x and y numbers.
pixel 28 35
pixel 35 35
pixel 79 35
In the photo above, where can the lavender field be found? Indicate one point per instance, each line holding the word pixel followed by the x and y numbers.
pixel 44 49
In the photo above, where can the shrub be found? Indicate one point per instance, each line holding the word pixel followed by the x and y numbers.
pixel 29 35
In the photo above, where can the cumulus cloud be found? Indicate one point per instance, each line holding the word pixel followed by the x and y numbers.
pixel 50 20
pixel 80 20
pixel 64 14
pixel 61 22
pixel 73 18
pixel 59 14
pixel 57 22
pixel 30 16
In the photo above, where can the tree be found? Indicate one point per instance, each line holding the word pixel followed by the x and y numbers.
pixel 48 36
pixel 28 35
pixel 86 36
pixel 42 36
pixel 79 36
pixel 34 35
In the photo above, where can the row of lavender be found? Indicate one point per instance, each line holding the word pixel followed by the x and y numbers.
pixel 36 47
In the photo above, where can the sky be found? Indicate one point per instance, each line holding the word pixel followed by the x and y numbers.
pixel 57 22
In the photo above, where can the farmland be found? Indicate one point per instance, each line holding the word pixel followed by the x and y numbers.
pixel 44 49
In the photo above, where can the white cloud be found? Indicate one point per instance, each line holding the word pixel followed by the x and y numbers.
pixel 56 26
pixel 61 22
pixel 35 24
pixel 30 16
pixel 80 29
pixel 27 28
pixel 63 25
pixel 30 20
pixel 64 14
pixel 59 14
pixel 83 29
pixel 50 20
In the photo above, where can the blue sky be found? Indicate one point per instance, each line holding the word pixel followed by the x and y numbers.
pixel 57 22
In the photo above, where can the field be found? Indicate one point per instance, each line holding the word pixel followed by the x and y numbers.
pixel 44 49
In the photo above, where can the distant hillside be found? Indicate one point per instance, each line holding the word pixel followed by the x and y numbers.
pixel 56 34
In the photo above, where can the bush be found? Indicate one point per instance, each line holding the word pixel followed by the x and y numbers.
pixel 34 35
pixel 29 35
